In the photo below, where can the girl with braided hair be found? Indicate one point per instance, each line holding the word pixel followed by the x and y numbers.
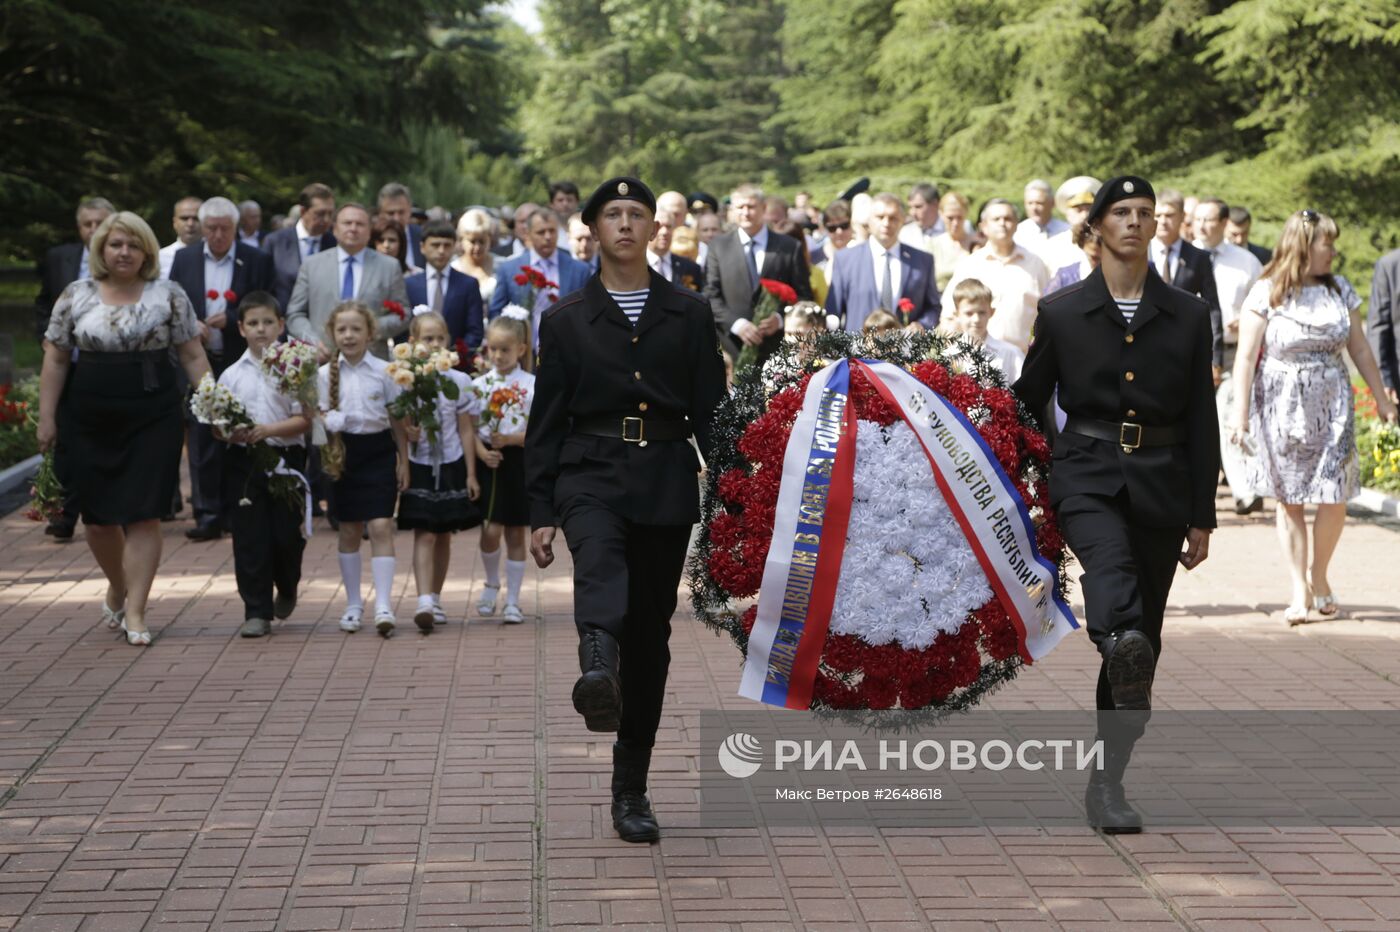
pixel 366 454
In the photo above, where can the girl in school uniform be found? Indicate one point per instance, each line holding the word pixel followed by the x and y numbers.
pixel 366 454
pixel 442 482
pixel 505 394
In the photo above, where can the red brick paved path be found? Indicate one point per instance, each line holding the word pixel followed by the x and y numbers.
pixel 315 780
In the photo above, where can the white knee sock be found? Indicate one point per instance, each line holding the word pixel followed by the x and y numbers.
pixel 515 575
pixel 383 570
pixel 436 598
pixel 491 559
pixel 350 575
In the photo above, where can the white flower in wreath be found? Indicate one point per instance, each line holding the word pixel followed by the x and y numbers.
pixel 907 574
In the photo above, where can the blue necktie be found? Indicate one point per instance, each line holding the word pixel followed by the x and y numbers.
pixel 753 264
pixel 347 287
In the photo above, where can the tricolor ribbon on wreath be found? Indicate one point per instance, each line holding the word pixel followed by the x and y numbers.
pixel 803 567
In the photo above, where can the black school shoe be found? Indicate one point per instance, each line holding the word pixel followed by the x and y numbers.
pixel 1131 663
pixel 284 605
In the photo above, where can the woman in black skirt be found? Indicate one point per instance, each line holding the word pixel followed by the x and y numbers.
pixel 121 414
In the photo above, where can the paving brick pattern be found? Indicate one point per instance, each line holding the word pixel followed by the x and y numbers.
pixel 314 780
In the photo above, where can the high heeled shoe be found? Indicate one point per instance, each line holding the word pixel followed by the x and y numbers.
pixel 113 620
pixel 136 638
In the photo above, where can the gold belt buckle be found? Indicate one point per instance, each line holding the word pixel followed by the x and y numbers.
pixel 1123 436
pixel 641 431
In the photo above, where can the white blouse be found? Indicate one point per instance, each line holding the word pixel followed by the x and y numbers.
pixel 258 392
pixel 449 438
pixel 515 417
pixel 366 391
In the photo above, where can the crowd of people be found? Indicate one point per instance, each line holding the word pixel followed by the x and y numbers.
pixel 129 327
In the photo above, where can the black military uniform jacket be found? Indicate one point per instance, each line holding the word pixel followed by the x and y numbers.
pixel 1154 372
pixel 593 363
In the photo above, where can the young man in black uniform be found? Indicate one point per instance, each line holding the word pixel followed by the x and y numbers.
pixel 629 369
pixel 1135 466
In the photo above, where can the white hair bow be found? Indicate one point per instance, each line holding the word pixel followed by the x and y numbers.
pixel 420 309
pixel 515 312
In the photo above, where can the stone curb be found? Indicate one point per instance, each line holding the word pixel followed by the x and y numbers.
pixel 19 473
pixel 1378 502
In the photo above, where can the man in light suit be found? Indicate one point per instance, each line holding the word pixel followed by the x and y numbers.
pixel 734 264
pixel 457 297
pixel 1380 323
pixel 219 263
pixel 396 203
pixel 545 256
pixel 311 234
pixel 882 272
pixel 340 274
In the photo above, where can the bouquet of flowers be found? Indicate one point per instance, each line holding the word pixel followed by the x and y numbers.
pixel 215 405
pixel 502 412
pixel 535 280
pixel 1385 450
pixel 772 298
pixel 422 374
pixel 292 365
pixel 46 492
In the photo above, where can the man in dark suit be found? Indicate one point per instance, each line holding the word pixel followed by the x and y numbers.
pixel 1380 322
pixel 396 203
pixel 311 234
pixel 63 265
pixel 545 257
pixel 678 270
pixel 734 264
pixel 1187 267
pixel 60 267
pixel 883 273
pixel 221 266
pixel 1237 232
pixel 250 231
pixel 620 389
pixel 1136 464
pixel 442 288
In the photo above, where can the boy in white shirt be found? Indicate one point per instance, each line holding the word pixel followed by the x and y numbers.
pixel 972 308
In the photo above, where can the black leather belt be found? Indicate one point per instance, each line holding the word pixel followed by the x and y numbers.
pixel 1127 434
pixel 636 430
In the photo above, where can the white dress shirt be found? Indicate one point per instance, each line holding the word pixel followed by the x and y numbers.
pixel 1060 251
pixel 250 240
pixel 449 437
pixel 258 392
pixel 218 278
pixel 702 253
pixel 661 263
pixel 911 234
pixel 1031 235
pixel 366 391
pixel 877 254
pixel 167 257
pixel 1016 281
pixel 359 273
pixel 1236 271
pixel 309 244
pixel 1172 256
pixel 84 271
pixel 1005 357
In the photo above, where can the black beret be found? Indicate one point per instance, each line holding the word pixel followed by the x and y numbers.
pixel 860 187
pixel 1120 189
pixel 699 200
pixel 618 189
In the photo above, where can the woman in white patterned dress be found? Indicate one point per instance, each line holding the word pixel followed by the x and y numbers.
pixel 1294 400
pixel 119 407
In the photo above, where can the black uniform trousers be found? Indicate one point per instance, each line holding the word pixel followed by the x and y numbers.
pixel 625 581
pixel 1128 570
pixel 206 462
pixel 267 541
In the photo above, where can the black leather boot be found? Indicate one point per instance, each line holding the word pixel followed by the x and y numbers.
pixel 1131 663
pixel 598 692
pixel 1105 804
pixel 631 810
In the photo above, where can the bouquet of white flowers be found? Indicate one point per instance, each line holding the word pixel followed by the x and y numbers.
pixel 422 374
pixel 217 406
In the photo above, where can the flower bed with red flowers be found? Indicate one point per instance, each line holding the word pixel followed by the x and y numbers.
pixel 749 438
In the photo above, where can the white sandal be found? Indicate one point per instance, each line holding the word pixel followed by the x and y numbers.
pixel 486 602
pixel 1295 615
pixel 113 620
pixel 1326 605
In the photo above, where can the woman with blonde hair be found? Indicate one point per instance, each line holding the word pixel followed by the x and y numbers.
pixel 1293 399
pixel 476 231
pixel 120 406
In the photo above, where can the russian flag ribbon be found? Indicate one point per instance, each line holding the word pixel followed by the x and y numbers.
pixel 801 574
